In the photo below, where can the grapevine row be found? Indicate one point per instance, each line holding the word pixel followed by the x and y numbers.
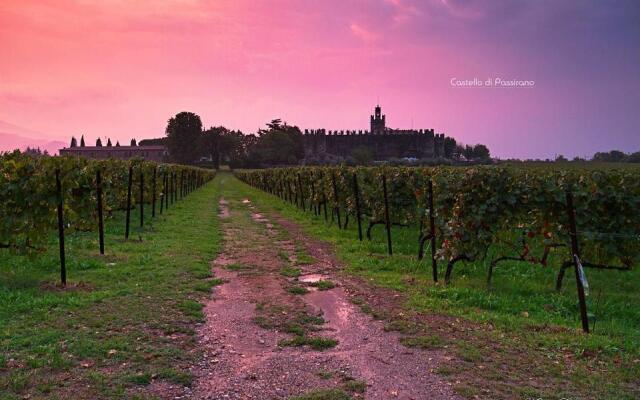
pixel 29 196
pixel 475 208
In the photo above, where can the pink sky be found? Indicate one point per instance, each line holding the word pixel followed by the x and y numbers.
pixel 121 68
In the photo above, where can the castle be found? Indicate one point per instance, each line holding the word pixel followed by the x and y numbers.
pixel 382 142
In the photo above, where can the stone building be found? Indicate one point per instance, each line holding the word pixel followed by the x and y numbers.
pixel 151 153
pixel 382 142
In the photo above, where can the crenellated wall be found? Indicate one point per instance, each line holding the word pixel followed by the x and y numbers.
pixel 392 143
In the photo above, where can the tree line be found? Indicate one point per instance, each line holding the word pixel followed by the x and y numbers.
pixel 188 143
pixel 277 144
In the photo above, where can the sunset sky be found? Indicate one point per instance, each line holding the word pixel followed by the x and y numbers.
pixel 121 68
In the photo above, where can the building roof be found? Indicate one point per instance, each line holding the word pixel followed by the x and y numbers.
pixel 103 148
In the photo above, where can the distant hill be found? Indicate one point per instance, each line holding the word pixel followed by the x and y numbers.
pixel 14 137
pixel 10 142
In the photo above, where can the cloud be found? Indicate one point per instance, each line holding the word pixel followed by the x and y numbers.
pixel 363 33
pixel 403 12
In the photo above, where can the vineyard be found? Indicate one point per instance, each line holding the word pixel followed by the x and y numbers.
pixel 571 218
pixel 41 194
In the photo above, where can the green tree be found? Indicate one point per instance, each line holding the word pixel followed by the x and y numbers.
pixel 279 144
pixel 481 152
pixel 612 156
pixel 183 136
pixel 449 146
pixel 634 157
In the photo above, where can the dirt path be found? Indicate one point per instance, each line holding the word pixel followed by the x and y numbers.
pixel 282 324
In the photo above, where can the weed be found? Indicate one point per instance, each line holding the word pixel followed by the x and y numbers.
pixel 316 343
pixel 291 272
pixel 297 290
pixel 323 285
pixel 237 267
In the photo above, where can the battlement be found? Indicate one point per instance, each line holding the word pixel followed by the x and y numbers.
pixel 347 132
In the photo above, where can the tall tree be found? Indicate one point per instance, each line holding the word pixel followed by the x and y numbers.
pixel 82 141
pixel 183 135
pixel 634 157
pixel 279 144
pixel 98 142
pixel 481 152
pixel 612 156
pixel 74 142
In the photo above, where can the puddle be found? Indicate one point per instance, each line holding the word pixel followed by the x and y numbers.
pixel 259 218
pixel 223 210
pixel 312 278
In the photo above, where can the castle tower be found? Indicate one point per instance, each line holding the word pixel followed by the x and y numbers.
pixel 378 122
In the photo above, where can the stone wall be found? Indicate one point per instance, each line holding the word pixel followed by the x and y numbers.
pixel 423 143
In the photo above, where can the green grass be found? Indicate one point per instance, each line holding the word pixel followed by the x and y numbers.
pixel 324 285
pixel 521 314
pixel 302 258
pixel 323 394
pixel 295 290
pixel 127 317
pixel 238 267
pixel 315 342
pixel 355 386
pixel 325 374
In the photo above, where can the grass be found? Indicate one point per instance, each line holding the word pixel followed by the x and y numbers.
pixel 521 320
pixel 355 386
pixel 325 374
pixel 323 394
pixel 297 290
pixel 315 342
pixel 323 285
pixel 238 267
pixel 302 258
pixel 126 318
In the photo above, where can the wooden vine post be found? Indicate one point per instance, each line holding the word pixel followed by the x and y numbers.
pixel 336 209
pixel 300 191
pixel 356 193
pixel 181 190
pixel 432 227
pixel 63 267
pixel 141 197
pixel 575 257
pixel 153 194
pixel 99 207
pixel 128 217
pixel 163 194
pixel 313 206
pixel 386 213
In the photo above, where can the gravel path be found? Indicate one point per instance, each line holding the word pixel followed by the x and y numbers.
pixel 244 358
